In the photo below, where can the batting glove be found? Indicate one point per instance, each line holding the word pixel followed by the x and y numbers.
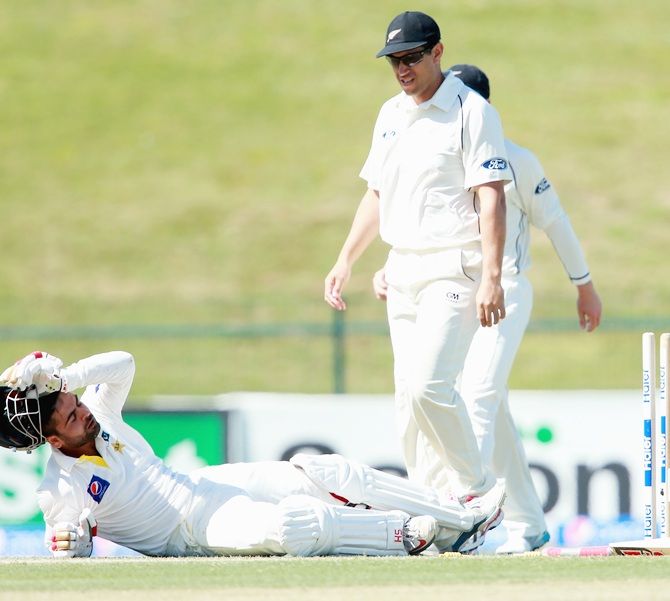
pixel 68 540
pixel 38 369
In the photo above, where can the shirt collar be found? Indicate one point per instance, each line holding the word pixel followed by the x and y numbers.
pixel 67 463
pixel 443 98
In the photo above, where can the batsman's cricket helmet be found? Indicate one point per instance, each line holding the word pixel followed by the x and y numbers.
pixel 21 418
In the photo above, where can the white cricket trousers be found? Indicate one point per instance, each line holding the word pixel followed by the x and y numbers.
pixel 273 508
pixel 483 386
pixel 432 320
pixel 485 391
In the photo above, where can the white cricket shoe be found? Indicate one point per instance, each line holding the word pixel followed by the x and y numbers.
pixel 471 545
pixel 488 514
pixel 516 545
pixel 419 533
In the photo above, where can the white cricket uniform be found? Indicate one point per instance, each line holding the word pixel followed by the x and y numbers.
pixel 264 508
pixel 425 161
pixel 136 499
pixel 531 200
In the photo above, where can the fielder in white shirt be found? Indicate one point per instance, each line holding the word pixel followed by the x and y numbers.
pixel 435 174
pixel 531 200
pixel 104 479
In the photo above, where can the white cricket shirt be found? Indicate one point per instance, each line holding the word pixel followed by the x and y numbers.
pixel 137 500
pixel 532 199
pixel 424 161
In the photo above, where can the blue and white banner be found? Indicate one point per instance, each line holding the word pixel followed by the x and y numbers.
pixel 583 447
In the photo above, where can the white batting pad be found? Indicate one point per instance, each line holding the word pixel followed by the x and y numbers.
pixel 357 484
pixel 309 527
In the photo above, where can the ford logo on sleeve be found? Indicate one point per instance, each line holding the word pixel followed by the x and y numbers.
pixel 542 186
pixel 97 488
pixel 496 163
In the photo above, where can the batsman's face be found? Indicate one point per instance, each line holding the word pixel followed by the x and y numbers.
pixel 73 423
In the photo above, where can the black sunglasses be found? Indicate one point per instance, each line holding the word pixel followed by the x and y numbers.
pixel 409 60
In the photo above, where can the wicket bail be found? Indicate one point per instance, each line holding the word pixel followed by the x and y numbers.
pixel 655 413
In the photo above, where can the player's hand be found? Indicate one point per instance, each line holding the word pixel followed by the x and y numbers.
pixel 70 540
pixel 38 369
pixel 589 307
pixel 334 284
pixel 490 301
pixel 379 284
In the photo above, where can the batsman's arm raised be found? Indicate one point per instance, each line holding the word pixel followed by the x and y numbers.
pixel 364 229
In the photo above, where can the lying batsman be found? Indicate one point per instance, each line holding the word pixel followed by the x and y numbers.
pixel 103 478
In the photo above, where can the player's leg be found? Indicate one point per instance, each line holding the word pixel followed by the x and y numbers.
pixel 524 517
pixel 401 311
pixel 224 520
pixel 483 383
pixel 357 484
pixel 240 526
pixel 488 507
pixel 269 481
pixel 445 326
pixel 302 525
pixel 272 481
pixel 409 348
pixel 484 388
pixel 312 527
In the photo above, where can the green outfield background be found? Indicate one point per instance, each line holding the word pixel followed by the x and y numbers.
pixel 194 164
pixel 526 578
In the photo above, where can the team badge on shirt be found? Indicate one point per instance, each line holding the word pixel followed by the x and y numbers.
pixel 496 163
pixel 118 446
pixel 105 436
pixel 97 488
pixel 542 186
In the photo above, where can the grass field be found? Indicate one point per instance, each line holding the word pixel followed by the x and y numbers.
pixel 171 163
pixel 167 163
pixel 445 577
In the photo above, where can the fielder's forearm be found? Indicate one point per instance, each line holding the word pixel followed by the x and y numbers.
pixel 569 250
pixel 364 228
pixel 492 226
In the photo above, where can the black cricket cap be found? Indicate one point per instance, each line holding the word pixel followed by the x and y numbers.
pixel 408 30
pixel 474 78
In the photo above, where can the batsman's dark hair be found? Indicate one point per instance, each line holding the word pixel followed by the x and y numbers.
pixel 47 408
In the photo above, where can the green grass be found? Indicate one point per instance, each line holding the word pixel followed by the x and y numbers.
pixel 164 162
pixel 333 578
pixel 296 364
